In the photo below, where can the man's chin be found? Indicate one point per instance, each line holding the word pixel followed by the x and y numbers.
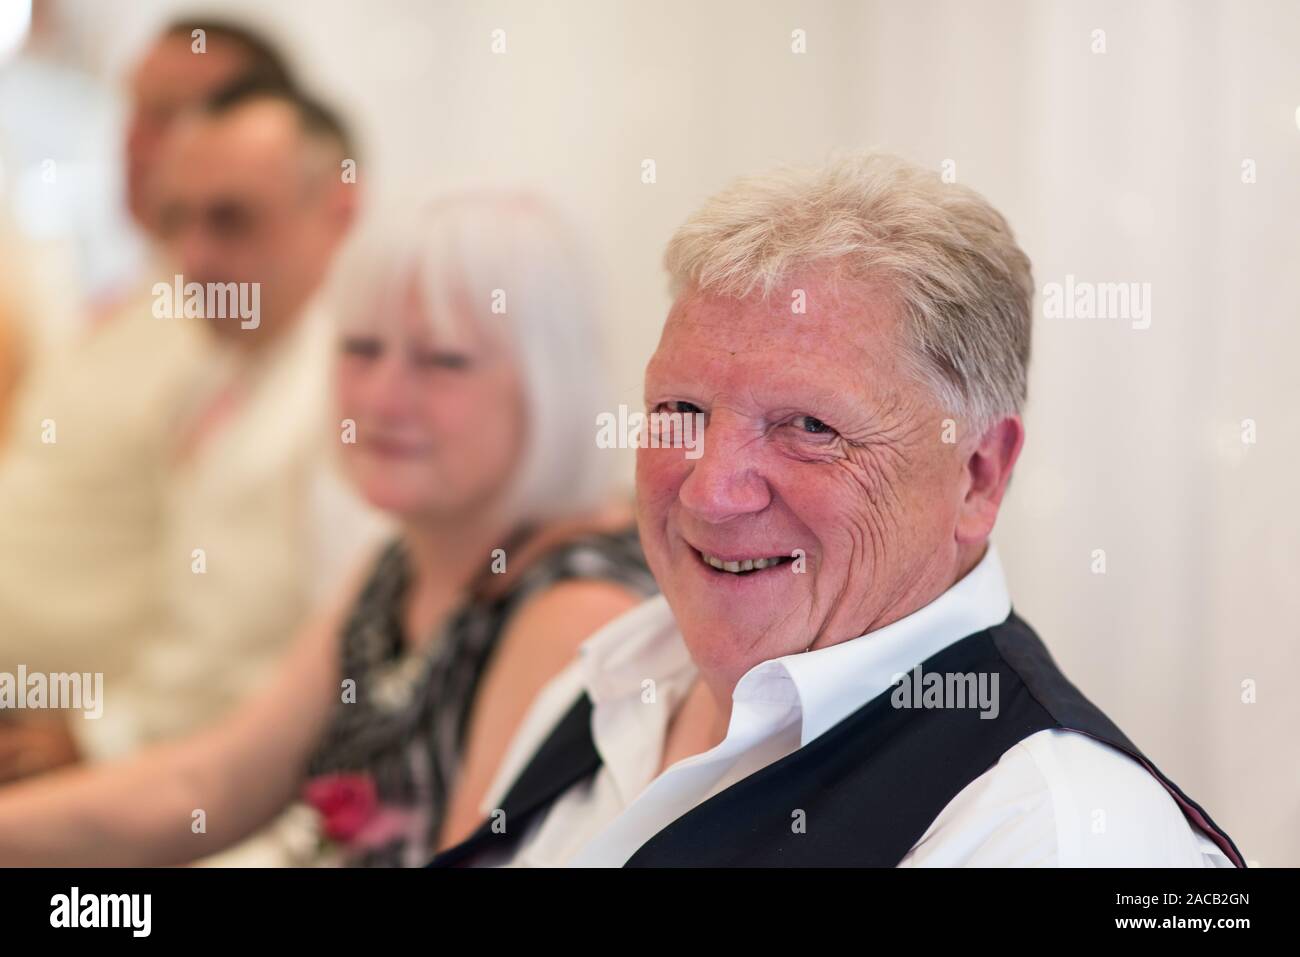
pixel 731 613
pixel 729 648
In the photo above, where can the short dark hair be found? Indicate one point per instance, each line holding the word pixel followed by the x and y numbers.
pixel 266 64
pixel 317 120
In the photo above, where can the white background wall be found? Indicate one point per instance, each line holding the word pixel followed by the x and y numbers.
pixel 1115 166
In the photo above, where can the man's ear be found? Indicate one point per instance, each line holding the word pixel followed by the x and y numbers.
pixel 345 204
pixel 985 475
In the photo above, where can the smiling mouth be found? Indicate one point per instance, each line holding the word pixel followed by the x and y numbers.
pixel 746 566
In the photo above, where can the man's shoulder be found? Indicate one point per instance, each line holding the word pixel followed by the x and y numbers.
pixel 1061 798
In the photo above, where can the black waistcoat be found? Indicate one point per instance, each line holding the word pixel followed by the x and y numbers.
pixel 868 788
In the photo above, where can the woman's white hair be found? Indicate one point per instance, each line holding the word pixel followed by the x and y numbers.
pixel 949 258
pixel 471 251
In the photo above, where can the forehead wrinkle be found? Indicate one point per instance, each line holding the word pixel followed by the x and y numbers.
pixel 864 317
pixel 798 386
pixel 845 351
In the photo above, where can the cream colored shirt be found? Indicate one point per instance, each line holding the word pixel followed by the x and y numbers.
pixel 257 529
pixel 182 579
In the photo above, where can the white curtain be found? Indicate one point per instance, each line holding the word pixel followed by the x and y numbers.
pixel 1117 166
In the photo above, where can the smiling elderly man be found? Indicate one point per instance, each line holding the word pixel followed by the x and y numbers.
pixel 856 338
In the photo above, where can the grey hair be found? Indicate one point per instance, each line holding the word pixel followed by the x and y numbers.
pixel 469 248
pixel 964 286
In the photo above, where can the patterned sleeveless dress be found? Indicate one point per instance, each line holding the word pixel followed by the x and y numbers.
pixel 381 777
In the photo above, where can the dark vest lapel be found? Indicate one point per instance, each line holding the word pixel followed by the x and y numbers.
pixel 868 789
pixel 569 755
pixel 1028 657
pixel 861 794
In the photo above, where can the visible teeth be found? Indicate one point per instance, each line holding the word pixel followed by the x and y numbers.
pixel 749 564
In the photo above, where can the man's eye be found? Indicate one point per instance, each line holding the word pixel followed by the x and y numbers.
pixel 229 219
pixel 170 220
pixel 441 360
pixel 362 348
pixel 813 426
pixel 677 405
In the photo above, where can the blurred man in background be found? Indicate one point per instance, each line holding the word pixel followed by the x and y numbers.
pixel 167 510
pixel 77 199
pixel 249 192
pixel 173 76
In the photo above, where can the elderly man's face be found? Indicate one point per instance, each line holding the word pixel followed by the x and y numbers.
pixel 816 441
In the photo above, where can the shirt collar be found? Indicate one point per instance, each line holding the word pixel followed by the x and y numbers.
pixel 642 643
pixel 628 726
pixel 831 683
pixel 834 682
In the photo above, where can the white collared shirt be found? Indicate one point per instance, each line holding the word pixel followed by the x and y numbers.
pixel 1057 798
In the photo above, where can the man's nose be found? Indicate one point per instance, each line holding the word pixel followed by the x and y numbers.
pixel 726 481
pixel 194 252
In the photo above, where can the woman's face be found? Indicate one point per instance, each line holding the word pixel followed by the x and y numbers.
pixel 439 421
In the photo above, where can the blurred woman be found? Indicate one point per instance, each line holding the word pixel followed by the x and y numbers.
pixel 467 387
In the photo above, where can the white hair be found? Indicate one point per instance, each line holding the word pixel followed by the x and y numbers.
pixel 950 259
pixel 509 247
